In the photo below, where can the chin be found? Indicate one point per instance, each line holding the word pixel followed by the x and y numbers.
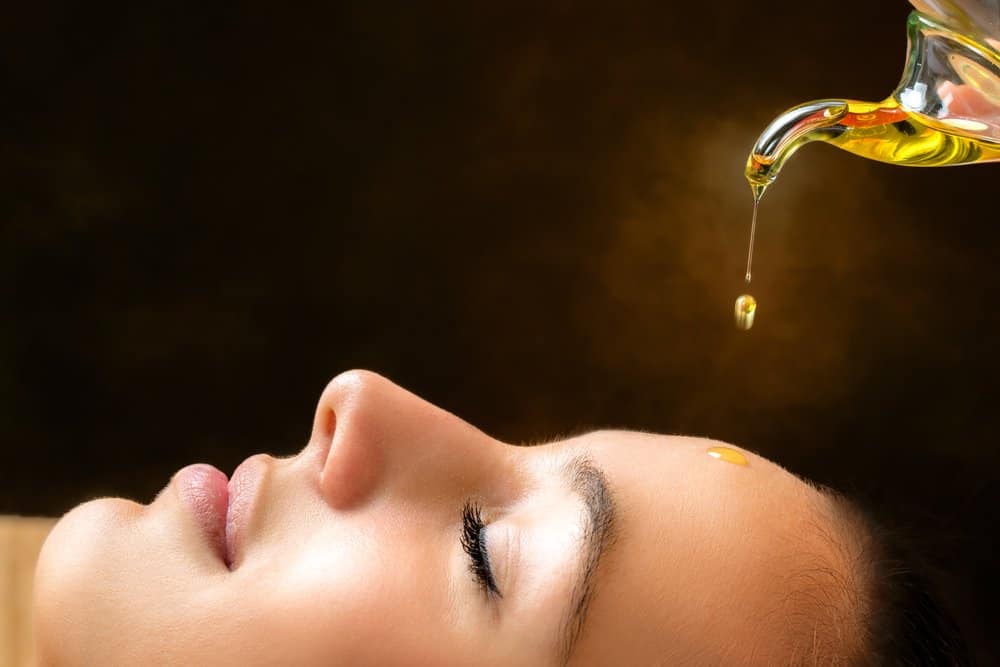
pixel 71 574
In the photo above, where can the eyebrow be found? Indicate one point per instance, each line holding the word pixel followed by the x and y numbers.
pixel 589 482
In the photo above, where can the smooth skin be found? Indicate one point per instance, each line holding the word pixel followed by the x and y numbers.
pixel 353 555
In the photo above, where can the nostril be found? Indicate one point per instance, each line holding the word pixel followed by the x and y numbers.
pixel 322 437
pixel 351 462
pixel 359 412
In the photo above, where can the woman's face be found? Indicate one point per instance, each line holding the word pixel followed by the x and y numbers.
pixel 612 547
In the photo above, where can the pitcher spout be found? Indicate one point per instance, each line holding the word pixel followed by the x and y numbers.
pixel 811 121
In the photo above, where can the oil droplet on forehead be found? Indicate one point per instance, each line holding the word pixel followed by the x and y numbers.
pixel 744 310
pixel 727 454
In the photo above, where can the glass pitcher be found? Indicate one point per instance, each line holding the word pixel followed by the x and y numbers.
pixel 945 110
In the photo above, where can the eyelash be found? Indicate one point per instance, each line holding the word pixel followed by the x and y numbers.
pixel 475 546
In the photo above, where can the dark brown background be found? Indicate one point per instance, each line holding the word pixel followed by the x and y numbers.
pixel 532 214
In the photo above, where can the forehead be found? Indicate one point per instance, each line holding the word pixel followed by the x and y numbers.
pixel 701 541
pixel 698 487
pixel 670 461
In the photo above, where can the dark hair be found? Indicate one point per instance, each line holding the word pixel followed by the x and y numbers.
pixel 903 622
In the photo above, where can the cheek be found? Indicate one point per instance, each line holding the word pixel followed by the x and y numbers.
pixel 341 573
pixel 353 596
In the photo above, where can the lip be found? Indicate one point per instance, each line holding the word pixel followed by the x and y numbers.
pixel 204 489
pixel 243 489
pixel 222 506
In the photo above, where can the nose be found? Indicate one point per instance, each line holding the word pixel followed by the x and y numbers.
pixel 376 438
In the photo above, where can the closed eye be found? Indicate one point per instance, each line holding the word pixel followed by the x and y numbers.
pixel 474 543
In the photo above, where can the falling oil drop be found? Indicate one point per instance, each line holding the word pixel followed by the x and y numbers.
pixel 746 306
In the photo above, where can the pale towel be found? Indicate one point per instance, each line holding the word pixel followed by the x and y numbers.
pixel 21 539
